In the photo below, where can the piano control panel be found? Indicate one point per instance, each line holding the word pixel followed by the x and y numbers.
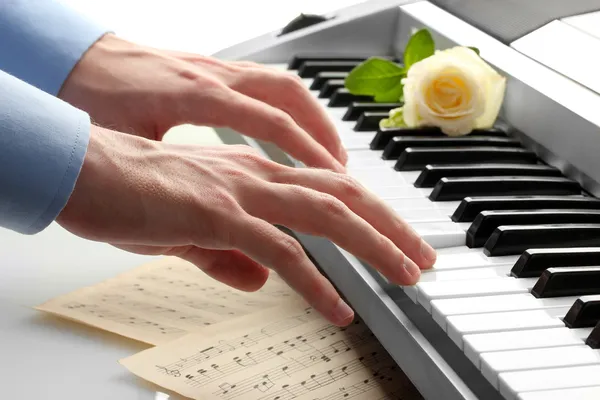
pixel 511 309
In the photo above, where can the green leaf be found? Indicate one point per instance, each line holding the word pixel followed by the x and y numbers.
pixel 419 47
pixel 394 95
pixel 475 49
pixel 374 76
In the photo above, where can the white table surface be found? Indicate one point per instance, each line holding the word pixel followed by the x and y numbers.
pixel 43 357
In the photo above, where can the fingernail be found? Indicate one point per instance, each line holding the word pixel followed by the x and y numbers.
pixel 342 313
pixel 412 268
pixel 427 251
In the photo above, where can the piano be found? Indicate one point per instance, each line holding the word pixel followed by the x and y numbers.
pixel 511 309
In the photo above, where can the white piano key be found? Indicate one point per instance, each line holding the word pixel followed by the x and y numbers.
pixel 442 309
pixel 370 162
pixel 462 257
pixel 324 103
pixel 479 343
pixel 425 215
pixel 308 82
pixel 429 291
pixel 581 393
pixel 453 275
pixel 464 226
pixel 355 140
pixel 416 203
pixel 357 155
pixel 409 176
pixel 433 275
pixel 512 384
pixel 493 364
pixel 282 67
pixel 378 176
pixel 441 234
pixel 461 325
pixel 401 191
pixel 344 127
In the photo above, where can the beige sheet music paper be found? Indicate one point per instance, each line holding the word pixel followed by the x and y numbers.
pixel 285 353
pixel 162 301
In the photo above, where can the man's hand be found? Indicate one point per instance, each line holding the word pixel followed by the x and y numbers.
pixel 215 206
pixel 145 91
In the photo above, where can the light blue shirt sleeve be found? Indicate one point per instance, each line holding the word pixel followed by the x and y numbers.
pixel 43 140
pixel 42 40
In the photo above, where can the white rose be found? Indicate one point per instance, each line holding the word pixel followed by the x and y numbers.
pixel 454 90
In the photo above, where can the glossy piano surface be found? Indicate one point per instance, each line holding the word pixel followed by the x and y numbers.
pixel 516 251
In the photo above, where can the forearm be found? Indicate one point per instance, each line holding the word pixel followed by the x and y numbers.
pixel 43 142
pixel 42 41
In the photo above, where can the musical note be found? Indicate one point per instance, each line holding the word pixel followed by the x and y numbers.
pixel 167 299
pixel 289 360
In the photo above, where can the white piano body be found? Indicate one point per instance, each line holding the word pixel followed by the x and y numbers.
pixel 552 105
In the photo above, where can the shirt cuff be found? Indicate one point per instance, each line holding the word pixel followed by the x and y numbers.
pixel 43 141
pixel 43 40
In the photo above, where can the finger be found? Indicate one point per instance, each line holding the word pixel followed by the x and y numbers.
pixel 261 121
pixel 365 204
pixel 230 267
pixel 272 248
pixel 286 91
pixel 321 214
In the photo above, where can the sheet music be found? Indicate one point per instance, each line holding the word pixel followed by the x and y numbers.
pixel 288 352
pixel 163 300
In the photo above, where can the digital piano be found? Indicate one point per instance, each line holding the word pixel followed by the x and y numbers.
pixel 511 308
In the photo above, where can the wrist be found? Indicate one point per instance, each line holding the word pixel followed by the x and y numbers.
pixel 109 169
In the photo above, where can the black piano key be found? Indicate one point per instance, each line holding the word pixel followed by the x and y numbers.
pixel 535 261
pixel 309 69
pixel 330 87
pixel 431 174
pixel 369 121
pixel 383 136
pixel 562 282
pixel 342 98
pixel 515 239
pixel 593 340
pixel 322 77
pixel 470 207
pixel 584 313
pixel 398 144
pixel 454 189
pixel 357 109
pixel 487 221
pixel 416 158
pixel 297 61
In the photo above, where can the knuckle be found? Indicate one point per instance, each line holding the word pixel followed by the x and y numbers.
pixel 255 160
pixel 294 81
pixel 333 207
pixel 232 173
pixel 282 121
pixel 383 245
pixel 290 251
pixel 293 84
pixel 350 187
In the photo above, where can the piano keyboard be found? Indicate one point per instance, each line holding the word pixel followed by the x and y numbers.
pixel 516 285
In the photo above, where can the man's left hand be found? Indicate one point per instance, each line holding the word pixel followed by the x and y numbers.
pixel 146 91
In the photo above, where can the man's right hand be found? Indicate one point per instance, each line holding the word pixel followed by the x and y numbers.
pixel 216 206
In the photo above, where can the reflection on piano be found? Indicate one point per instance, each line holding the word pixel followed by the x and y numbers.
pixel 512 307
